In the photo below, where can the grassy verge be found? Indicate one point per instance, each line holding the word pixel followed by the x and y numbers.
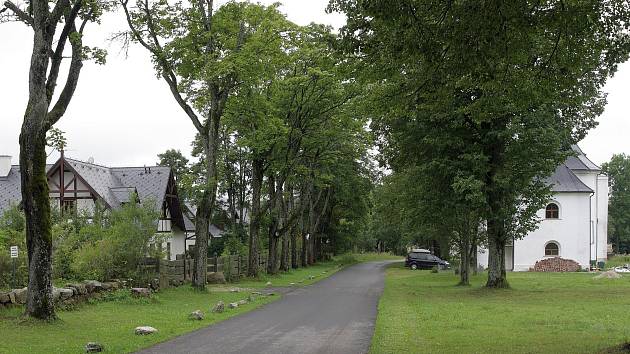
pixel 542 313
pixel 111 321
pixel 618 260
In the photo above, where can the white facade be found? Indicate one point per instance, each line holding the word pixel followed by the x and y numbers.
pixel 580 227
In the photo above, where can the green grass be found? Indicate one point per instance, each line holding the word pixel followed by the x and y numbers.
pixel 112 322
pixel 541 313
pixel 618 260
pixel 367 257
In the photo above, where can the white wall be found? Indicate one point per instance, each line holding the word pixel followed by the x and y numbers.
pixel 599 212
pixel 601 221
pixel 177 242
pixel 571 231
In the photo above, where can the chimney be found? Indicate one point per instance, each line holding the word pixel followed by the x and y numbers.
pixel 5 165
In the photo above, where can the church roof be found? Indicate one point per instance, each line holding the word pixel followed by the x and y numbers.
pixel 580 162
pixel 564 180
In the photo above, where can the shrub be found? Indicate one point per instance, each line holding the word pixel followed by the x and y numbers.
pixel 434 269
pixel 12 233
pixel 115 247
pixel 347 259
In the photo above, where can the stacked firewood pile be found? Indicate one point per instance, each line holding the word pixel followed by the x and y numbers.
pixel 556 264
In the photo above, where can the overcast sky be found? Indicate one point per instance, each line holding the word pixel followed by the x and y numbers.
pixel 122 115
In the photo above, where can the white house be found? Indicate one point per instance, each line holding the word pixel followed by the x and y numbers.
pixel 574 223
pixel 82 184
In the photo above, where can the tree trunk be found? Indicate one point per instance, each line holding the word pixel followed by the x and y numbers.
pixel 304 254
pixel 36 204
pixel 311 250
pixel 473 259
pixel 464 264
pixel 203 216
pixel 272 256
pixel 200 254
pixel 496 256
pixel 287 204
pixel 294 251
pixel 254 225
pixel 284 253
pixel 35 196
pixel 274 206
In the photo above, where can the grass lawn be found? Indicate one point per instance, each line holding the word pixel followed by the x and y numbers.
pixel 542 313
pixel 112 322
pixel 618 260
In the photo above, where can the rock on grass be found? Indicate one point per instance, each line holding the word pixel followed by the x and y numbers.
pixel 145 330
pixel 219 307
pixel 196 315
pixel 93 347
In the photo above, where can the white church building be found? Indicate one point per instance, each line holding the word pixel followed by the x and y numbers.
pixel 574 223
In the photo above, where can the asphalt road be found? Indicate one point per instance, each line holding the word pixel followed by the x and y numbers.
pixel 335 315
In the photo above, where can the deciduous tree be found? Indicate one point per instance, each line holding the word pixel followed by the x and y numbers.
pixel 204 55
pixel 618 171
pixel 56 26
pixel 524 80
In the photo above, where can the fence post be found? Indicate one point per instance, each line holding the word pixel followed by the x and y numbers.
pixel 216 263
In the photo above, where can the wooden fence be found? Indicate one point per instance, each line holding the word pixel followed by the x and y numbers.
pixel 181 270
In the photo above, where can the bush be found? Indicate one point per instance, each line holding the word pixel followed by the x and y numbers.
pixel 347 259
pixel 434 269
pixel 12 233
pixel 115 247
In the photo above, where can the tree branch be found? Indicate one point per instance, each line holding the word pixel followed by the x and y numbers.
pixel 71 82
pixel 57 55
pixel 58 11
pixel 158 53
pixel 21 15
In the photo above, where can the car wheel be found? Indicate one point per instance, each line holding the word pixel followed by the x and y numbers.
pixel 414 266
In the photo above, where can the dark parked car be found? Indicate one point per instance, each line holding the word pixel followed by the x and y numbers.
pixel 423 259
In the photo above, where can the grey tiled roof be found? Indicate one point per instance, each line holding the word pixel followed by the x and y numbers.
pixel 123 194
pixel 190 225
pixel 564 180
pixel 150 182
pixel 113 185
pixel 100 178
pixel 580 162
pixel 11 188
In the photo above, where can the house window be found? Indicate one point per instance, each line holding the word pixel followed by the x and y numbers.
pixel 68 205
pixel 552 249
pixel 164 225
pixel 552 211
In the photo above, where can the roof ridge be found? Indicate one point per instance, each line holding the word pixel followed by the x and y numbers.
pixel 87 163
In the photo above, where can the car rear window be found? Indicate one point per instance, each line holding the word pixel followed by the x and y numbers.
pixel 419 255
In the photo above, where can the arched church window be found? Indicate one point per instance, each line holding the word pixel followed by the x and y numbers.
pixel 552 211
pixel 552 249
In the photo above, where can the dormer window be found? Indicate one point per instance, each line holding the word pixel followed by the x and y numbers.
pixel 552 211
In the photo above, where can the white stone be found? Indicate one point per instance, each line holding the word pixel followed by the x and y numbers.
pixel 144 330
